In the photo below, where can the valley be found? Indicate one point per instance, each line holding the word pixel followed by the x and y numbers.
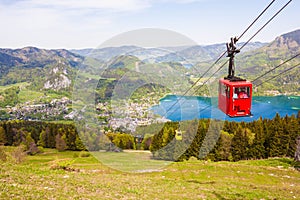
pixel 120 84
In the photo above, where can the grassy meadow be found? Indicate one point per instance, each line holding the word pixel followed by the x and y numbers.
pixel 133 175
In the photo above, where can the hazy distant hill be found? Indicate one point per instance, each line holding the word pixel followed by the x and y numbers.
pixel 201 53
pixel 191 54
pixel 34 57
pixel 105 54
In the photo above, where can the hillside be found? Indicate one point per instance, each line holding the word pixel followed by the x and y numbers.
pixel 91 179
pixel 53 66
pixel 255 63
pixel 52 74
pixel 44 69
pixel 34 57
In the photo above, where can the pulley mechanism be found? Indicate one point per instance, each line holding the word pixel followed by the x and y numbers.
pixel 231 51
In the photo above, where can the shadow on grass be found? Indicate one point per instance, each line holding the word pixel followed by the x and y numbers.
pixel 201 182
pixel 219 196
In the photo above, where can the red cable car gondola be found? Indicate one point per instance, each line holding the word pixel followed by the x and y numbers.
pixel 235 93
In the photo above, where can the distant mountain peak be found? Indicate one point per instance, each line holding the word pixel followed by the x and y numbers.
pixel 28 49
pixel 289 40
pixel 294 35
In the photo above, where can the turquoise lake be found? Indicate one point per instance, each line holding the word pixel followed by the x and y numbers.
pixel 178 108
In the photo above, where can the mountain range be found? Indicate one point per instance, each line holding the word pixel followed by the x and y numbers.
pixel 55 70
pixel 192 54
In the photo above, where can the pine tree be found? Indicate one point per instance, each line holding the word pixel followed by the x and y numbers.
pixel 257 149
pixel 239 145
pixel 60 144
pixel 28 140
pixel 3 138
pixel 196 144
pixel 42 139
pixel 211 138
pixel 18 136
pixel 9 132
pixel 223 147
pixel 297 154
pixel 79 145
pixel 293 131
pixel 274 146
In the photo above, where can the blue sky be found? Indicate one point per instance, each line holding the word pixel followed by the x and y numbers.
pixel 88 23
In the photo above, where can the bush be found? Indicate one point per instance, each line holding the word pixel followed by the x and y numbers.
pixel 124 141
pixel 75 155
pixel 18 155
pixel 41 150
pixel 192 158
pixel 32 149
pixel 84 154
pixel 3 155
pixel 64 164
pixel 296 165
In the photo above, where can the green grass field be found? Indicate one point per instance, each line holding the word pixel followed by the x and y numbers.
pixel 21 85
pixel 35 178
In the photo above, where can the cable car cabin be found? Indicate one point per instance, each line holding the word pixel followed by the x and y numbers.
pixel 235 93
pixel 235 97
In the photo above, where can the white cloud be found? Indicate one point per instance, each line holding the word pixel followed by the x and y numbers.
pixel 86 23
pixel 182 1
pixel 113 5
pixel 30 23
pixel 64 23
pixel 40 13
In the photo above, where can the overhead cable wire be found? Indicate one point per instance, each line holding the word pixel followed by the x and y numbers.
pixel 211 76
pixel 220 57
pixel 195 83
pixel 297 65
pixel 276 67
pixel 181 97
pixel 255 20
pixel 279 11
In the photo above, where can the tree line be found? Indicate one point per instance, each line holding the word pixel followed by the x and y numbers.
pixel 62 136
pixel 204 139
pixel 231 141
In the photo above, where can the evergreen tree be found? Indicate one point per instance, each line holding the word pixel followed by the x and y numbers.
pixel 60 143
pixel 239 145
pixel 156 143
pixel 297 154
pixel 28 140
pixel 222 150
pixel 257 149
pixel 18 136
pixel 79 145
pixel 3 138
pixel 9 132
pixel 42 139
pixel 195 145
pixel 211 138
pixel 148 139
pixel 278 140
pixel 51 131
pixel 293 131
